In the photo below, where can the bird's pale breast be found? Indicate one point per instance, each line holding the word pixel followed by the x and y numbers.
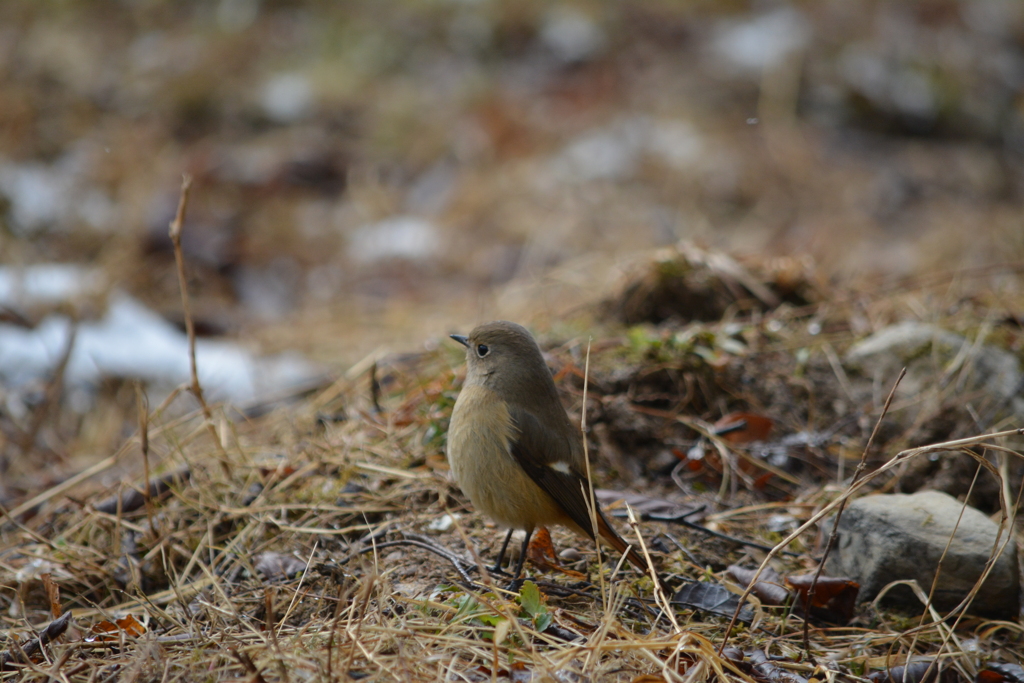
pixel 479 439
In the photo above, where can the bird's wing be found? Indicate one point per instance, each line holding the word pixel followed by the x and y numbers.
pixel 545 457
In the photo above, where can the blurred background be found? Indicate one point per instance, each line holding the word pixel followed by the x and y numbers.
pixel 370 175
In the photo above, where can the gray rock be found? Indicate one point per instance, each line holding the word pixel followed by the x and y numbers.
pixel 888 538
pixel 935 359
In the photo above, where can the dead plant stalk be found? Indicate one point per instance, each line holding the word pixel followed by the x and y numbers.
pixel 186 307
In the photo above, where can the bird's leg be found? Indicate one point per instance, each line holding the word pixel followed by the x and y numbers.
pixel 517 576
pixel 496 569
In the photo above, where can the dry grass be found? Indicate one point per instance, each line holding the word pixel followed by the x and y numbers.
pixel 338 499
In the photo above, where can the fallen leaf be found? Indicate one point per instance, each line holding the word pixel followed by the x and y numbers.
pixel 835 599
pixel 541 553
pixel 738 428
pixel 500 631
pixel 282 471
pixel 770 671
pixel 1001 673
pixel 106 630
pixel 920 671
pixel 52 594
pixel 769 588
pixel 713 598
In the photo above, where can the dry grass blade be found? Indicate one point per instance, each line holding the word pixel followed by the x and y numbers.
pixel 589 493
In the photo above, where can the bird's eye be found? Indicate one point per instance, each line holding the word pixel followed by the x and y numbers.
pixel 482 350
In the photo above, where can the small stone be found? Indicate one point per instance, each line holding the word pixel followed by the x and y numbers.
pixel 275 566
pixel 888 538
pixel 762 42
pixel 571 35
pixel 991 375
pixel 287 98
pixel 570 555
pixel 782 523
pixel 442 523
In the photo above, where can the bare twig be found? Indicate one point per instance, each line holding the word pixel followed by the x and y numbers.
pixel 459 565
pixel 52 395
pixel 142 407
pixel 681 520
pixel 133 499
pixel 250 667
pixel 857 474
pixel 21 653
pixel 375 389
pixel 186 307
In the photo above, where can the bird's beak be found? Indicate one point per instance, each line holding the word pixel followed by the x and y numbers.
pixel 462 339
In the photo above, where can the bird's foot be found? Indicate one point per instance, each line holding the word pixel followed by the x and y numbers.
pixel 515 585
pixel 496 570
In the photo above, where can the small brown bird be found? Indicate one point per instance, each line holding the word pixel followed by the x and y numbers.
pixel 513 449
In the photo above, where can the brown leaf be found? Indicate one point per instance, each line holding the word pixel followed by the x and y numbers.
pixel 920 671
pixel 738 428
pixel 52 594
pixel 769 588
pixel 130 625
pixel 541 553
pixel 105 630
pixel 834 598
pixel 1001 673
